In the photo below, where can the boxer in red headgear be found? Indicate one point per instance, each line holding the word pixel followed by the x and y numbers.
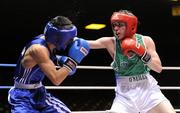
pixel 130 20
pixel 134 55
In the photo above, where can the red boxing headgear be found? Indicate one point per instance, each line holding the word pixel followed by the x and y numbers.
pixel 130 20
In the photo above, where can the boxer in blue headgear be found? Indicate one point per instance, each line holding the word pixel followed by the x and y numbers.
pixel 60 35
pixel 38 60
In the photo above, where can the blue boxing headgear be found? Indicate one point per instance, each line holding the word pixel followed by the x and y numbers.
pixel 59 37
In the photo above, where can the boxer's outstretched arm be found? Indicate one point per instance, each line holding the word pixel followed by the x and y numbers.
pixel 100 43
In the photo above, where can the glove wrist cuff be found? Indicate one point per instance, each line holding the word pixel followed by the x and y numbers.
pixel 70 64
pixel 146 58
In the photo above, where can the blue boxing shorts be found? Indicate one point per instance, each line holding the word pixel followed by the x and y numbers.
pixel 35 101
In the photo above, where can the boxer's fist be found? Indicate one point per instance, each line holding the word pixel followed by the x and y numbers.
pixel 79 49
pixel 129 45
pixel 67 62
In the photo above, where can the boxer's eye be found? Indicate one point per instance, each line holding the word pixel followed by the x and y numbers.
pixel 118 24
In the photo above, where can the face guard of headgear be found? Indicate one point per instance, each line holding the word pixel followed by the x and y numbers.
pixel 130 21
pixel 59 37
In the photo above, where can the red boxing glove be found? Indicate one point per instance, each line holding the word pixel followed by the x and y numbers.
pixel 129 45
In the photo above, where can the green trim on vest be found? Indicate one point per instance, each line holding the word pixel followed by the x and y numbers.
pixel 128 67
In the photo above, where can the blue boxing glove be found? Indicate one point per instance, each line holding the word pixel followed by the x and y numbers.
pixel 67 62
pixel 79 49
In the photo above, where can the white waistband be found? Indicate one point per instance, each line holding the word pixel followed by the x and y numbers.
pixel 132 79
pixel 27 86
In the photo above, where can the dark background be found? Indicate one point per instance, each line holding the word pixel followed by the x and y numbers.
pixel 21 20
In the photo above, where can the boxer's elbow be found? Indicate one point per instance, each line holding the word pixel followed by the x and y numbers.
pixel 59 76
pixel 159 69
pixel 55 80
